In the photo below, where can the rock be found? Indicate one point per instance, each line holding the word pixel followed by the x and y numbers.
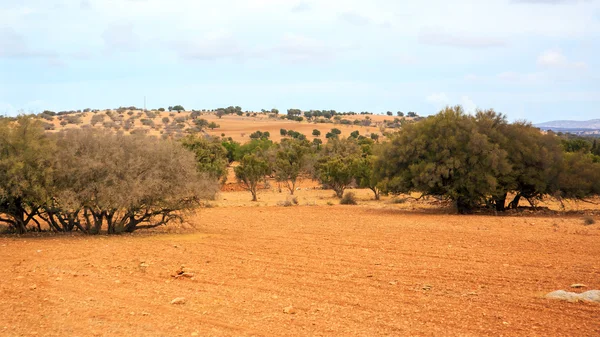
pixel 33 287
pixel 289 310
pixel 592 296
pixel 178 300
pixel 578 285
pixel 184 274
pixel 194 333
pixel 588 296
pixel 427 287
pixel 393 283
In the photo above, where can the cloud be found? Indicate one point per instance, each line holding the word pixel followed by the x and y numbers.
pixel 299 48
pixel 462 41
pixel 438 99
pixel 301 7
pixel 212 47
pixel 354 18
pixel 556 59
pixel 13 45
pixel 121 37
pixel 468 104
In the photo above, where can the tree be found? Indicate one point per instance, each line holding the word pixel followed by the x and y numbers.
pixel 283 132
pixel 211 156
pixel 290 161
pixel 375 136
pixel 220 113
pixel 400 114
pixel 213 125
pixel 251 171
pixel 444 155
pixel 177 108
pixel 336 131
pixel 26 157
pixel 336 166
pixel 389 113
pixel 316 133
pixel 354 134
pixel 122 182
pixel 412 114
pixel 275 111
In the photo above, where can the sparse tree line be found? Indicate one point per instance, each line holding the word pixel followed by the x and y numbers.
pixel 92 180
pixel 479 161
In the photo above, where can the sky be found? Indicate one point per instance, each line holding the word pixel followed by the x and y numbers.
pixel 535 60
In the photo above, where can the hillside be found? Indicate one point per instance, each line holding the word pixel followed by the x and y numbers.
pixel 593 124
pixel 174 125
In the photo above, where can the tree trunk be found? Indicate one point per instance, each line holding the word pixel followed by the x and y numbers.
pixel 515 203
pixel 500 203
pixel 376 192
pixel 339 191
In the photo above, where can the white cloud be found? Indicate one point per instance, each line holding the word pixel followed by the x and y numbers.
pixel 556 59
pixel 468 104
pixel 438 99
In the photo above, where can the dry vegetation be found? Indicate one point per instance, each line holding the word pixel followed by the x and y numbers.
pixel 237 127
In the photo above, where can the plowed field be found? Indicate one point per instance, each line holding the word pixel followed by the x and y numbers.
pixel 336 270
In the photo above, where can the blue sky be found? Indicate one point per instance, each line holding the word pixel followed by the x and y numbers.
pixel 530 59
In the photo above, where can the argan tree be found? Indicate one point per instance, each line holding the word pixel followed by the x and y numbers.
pixel 122 183
pixel 291 158
pixel 444 155
pixel 336 167
pixel 252 170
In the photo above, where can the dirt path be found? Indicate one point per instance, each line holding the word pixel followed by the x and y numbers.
pixel 345 270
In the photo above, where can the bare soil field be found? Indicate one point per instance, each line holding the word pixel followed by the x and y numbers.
pixel 307 270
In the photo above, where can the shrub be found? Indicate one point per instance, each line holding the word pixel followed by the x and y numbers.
pixel 588 221
pixel 348 199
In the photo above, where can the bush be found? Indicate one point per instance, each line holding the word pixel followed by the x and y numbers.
pixel 348 199
pixel 588 221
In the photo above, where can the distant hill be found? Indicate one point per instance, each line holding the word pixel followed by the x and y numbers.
pixel 593 124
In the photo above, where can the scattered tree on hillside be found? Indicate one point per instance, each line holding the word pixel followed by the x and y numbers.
pixel 290 161
pixel 251 171
pixel 211 156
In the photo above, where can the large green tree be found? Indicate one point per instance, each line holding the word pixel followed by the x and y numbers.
pixel 444 155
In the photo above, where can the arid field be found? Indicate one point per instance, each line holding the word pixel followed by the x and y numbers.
pixel 257 269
